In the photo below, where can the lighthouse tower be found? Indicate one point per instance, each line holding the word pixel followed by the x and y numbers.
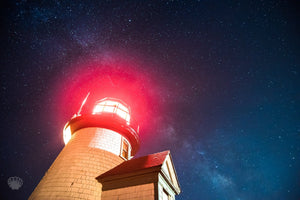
pixel 95 143
pixel 96 163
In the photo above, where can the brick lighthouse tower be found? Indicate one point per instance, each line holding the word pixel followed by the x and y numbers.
pixel 96 161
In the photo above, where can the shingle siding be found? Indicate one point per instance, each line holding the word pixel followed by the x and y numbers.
pixel 73 173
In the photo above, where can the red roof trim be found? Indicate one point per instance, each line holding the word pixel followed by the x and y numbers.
pixel 137 164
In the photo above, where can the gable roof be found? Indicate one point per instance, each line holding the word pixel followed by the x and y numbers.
pixel 137 164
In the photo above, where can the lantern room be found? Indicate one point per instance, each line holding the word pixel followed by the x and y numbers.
pixel 107 113
pixel 114 106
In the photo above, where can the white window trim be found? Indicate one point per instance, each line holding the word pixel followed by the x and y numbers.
pixel 129 149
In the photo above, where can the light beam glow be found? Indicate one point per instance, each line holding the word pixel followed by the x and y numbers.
pixel 67 134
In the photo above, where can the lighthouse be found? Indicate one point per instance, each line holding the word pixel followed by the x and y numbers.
pixel 97 160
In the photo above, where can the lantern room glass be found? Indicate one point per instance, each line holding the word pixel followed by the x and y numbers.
pixel 111 106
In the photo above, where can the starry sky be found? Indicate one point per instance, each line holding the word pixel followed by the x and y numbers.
pixel 216 82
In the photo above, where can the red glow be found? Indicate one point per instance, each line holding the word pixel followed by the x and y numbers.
pixel 119 78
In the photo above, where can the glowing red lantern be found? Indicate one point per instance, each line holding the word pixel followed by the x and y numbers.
pixel 114 106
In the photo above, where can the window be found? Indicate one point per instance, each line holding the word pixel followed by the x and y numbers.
pixel 125 150
pixel 112 106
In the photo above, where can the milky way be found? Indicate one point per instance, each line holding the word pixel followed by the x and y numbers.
pixel 216 82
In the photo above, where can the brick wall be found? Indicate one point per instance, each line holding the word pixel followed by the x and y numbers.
pixel 73 173
pixel 138 192
pixel 107 140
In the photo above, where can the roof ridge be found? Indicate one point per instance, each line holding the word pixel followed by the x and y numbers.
pixel 165 151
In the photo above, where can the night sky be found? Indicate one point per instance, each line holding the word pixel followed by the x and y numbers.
pixel 216 82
